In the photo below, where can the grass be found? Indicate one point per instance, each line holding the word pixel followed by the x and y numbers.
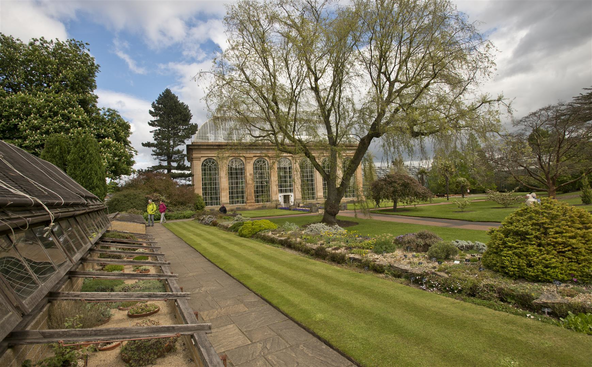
pixel 379 322
pixel 480 211
pixel 374 227
pixel 268 213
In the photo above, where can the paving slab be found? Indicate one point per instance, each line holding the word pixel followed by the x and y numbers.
pixel 246 328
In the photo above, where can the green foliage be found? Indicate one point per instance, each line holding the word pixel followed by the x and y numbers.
pixel 172 123
pixel 546 242
pixel 250 228
pixel 123 236
pixel 110 256
pixel 141 258
pixel 442 251
pixel 100 285
pixel 236 226
pixel 142 286
pixel 57 98
pixel 582 323
pixel 504 199
pixel 113 267
pixel 85 165
pixel 123 201
pixel 398 187
pixel 420 241
pixel 199 203
pixel 289 227
pixel 586 191
pixel 157 186
pixel 63 357
pixel 384 243
pixel 56 151
pixel 462 204
pixel 77 314
pixel 138 353
pixel 142 308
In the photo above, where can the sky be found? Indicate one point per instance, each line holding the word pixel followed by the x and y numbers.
pixel 544 49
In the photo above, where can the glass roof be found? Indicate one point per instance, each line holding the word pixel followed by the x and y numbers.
pixel 218 131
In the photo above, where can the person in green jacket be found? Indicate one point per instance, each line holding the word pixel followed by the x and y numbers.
pixel 151 209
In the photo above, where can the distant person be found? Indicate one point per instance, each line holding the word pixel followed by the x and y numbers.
pixel 530 200
pixel 535 197
pixel 151 209
pixel 223 209
pixel 162 209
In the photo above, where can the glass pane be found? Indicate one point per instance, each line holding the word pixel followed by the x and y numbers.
pixel 71 234
pixel 236 181
pixel 78 231
pixel 53 250
pixel 28 246
pixel 210 182
pixel 84 223
pixel 14 270
pixel 307 180
pixel 63 239
pixel 285 184
pixel 261 176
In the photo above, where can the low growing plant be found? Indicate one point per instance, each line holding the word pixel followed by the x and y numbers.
pixel 77 314
pixel 142 308
pixel 62 357
pixel 250 228
pixel 289 227
pixel 504 199
pixel 141 258
pixel 119 235
pixel 142 286
pixel 442 251
pixel 100 285
pixel 582 323
pixel 462 204
pixel 236 226
pixel 384 243
pixel 320 228
pixel 137 353
pixel 470 246
pixel 420 241
pixel 113 268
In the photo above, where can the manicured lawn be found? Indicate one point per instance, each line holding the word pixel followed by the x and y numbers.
pixel 480 211
pixel 379 322
pixel 268 213
pixel 375 227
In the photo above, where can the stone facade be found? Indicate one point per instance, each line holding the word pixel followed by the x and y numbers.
pixel 248 153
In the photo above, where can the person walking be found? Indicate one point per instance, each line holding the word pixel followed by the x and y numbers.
pixel 162 209
pixel 151 209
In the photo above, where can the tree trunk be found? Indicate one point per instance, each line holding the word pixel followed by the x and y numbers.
pixel 552 192
pixel 394 204
pixel 447 189
pixel 331 206
pixel 462 192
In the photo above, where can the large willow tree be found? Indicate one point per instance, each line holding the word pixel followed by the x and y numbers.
pixel 315 75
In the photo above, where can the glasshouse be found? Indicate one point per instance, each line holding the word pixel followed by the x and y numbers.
pixel 231 170
pixel 65 275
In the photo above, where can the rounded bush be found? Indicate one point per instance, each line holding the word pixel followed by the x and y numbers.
pixel 546 242
pixel 236 226
pixel 442 251
pixel 250 228
pixel 123 201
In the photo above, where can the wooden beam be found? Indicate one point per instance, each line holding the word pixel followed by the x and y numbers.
pixel 129 253
pixel 118 296
pixel 121 240
pixel 114 275
pixel 102 334
pixel 125 262
pixel 122 245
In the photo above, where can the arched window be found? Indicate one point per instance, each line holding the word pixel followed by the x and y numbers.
pixel 326 167
pixel 236 181
pixel 261 178
pixel 210 182
pixel 307 179
pixel 285 185
pixel 350 190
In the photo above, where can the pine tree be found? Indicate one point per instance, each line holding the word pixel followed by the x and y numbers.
pixel 586 191
pixel 57 148
pixel 85 165
pixel 172 120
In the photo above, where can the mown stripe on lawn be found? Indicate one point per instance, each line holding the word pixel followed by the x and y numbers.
pixel 378 322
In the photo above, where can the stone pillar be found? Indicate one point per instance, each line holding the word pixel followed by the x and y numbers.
pixel 249 182
pixel 224 197
pixel 297 182
pixel 273 181
pixel 319 186
pixel 360 183
pixel 196 171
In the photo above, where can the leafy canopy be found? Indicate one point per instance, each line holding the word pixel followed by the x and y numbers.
pixel 46 88
pixel 398 187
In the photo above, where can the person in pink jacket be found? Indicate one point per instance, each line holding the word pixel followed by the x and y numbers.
pixel 162 209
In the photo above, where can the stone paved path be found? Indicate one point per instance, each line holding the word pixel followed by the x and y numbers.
pixel 244 326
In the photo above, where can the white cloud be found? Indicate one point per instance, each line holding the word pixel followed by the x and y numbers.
pixel 26 19
pixel 131 63
pixel 135 111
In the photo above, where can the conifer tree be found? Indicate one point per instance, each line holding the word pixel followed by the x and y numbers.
pixel 85 165
pixel 172 120
pixel 586 191
pixel 57 148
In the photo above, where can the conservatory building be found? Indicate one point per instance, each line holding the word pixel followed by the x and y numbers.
pixel 228 170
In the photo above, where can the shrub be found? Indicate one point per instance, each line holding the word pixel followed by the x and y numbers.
pixel 586 191
pixel 123 201
pixel 384 243
pixel 100 285
pixel 289 227
pixel 250 228
pixel 470 246
pixel 236 226
pixel 442 251
pixel 141 258
pixel 63 356
pixel 199 203
pixel 239 218
pixel 420 241
pixel 581 323
pixel 110 256
pixel 119 235
pixel 462 204
pixel 77 314
pixel 138 353
pixel 504 199
pixel 321 228
pixel 142 286
pixel 546 242
pixel 207 219
pixel 113 267
pixel 142 308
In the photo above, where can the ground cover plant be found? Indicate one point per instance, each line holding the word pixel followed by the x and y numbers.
pixel 388 324
pixel 77 314
pixel 100 285
pixel 138 353
pixel 370 227
pixel 268 213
